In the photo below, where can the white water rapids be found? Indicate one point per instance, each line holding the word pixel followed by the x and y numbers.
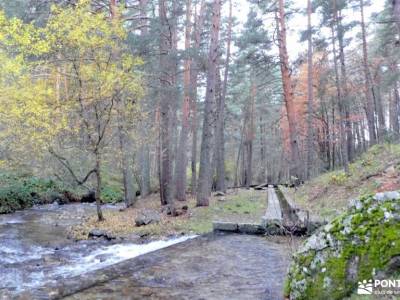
pixel 34 250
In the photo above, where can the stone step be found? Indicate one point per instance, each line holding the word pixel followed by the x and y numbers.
pixel 247 228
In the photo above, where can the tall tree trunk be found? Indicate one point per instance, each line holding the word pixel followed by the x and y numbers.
pixel 204 184
pixel 288 91
pixel 144 151
pixel 199 24
pixel 367 82
pixel 166 83
pixel 181 162
pixel 173 23
pixel 342 115
pixel 310 94
pixel 218 109
pixel 250 132
pixel 220 128
pixel 126 163
pixel 343 83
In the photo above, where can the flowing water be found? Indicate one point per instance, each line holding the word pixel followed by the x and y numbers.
pixel 35 250
pixel 38 261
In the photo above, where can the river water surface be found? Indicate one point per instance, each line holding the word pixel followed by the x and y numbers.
pixel 35 250
pixel 37 261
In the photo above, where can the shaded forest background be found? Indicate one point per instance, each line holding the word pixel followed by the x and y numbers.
pixel 123 98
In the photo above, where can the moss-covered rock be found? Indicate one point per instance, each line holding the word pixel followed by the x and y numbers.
pixel 357 245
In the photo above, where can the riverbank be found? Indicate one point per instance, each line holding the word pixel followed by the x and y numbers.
pixel 328 195
pixel 239 205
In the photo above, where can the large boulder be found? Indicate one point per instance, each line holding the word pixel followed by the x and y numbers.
pixel 361 244
pixel 147 217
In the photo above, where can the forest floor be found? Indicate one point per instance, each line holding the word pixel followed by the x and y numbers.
pixel 377 170
pixel 238 205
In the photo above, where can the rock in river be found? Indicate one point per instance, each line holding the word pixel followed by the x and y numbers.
pixel 98 233
pixel 361 244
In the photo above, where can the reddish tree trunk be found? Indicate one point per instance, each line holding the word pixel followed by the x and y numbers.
pixel 288 90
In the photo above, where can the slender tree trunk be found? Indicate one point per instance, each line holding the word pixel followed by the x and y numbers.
pixel 394 112
pixel 199 24
pixel 166 82
pixel 240 150
pixel 204 184
pixel 343 149
pixel 334 133
pixel 144 151
pixel 98 186
pixel 263 151
pixel 343 83
pixel 159 155
pixel 250 133
pixel 288 91
pixel 394 104
pixel 126 164
pixel 310 94
pixel 376 90
pixel 367 82
pixel 181 162
pixel 220 136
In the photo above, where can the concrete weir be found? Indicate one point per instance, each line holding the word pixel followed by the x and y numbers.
pixel 270 223
pixel 281 217
pixel 274 212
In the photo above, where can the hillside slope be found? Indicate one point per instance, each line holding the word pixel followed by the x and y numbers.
pixel 377 170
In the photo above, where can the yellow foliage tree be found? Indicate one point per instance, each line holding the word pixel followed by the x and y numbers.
pixel 67 81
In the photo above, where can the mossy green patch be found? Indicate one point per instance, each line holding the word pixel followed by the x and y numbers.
pixel 355 246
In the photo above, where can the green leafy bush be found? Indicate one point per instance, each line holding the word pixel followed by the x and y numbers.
pixel 19 191
pixel 15 196
pixel 111 194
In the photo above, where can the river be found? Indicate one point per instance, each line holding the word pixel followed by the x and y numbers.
pixel 38 261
